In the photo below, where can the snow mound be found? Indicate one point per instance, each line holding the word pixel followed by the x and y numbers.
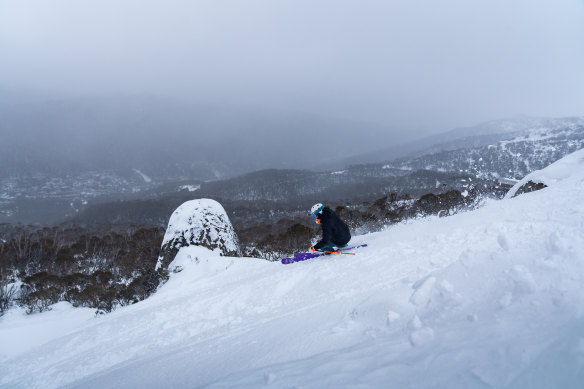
pixel 201 222
pixel 555 173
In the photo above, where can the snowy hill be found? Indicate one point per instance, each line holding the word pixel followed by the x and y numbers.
pixel 504 148
pixel 518 149
pixel 482 134
pixel 516 125
pixel 487 299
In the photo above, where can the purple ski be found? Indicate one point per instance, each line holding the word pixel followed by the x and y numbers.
pixel 304 256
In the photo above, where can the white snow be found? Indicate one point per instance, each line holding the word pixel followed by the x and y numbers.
pixel 190 188
pixel 487 299
pixel 39 329
pixel 144 176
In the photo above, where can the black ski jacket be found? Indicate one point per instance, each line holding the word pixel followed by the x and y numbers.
pixel 334 230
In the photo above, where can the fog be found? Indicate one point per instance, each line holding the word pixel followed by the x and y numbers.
pixel 406 68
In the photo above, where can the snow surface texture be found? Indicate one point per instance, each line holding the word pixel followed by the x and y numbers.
pixel 492 298
pixel 201 222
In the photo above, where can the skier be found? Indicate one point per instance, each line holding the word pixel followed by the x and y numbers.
pixel 335 233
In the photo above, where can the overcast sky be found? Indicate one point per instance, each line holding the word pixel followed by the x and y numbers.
pixel 418 65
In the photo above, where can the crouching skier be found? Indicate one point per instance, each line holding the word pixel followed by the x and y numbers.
pixel 335 233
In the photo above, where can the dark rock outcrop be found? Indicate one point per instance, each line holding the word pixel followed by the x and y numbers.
pixel 529 187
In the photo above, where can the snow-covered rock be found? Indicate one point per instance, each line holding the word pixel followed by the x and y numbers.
pixel 201 222
pixel 551 175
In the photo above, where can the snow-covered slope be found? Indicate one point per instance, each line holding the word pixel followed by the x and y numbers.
pixel 554 173
pixel 517 124
pixel 487 299
pixel 511 153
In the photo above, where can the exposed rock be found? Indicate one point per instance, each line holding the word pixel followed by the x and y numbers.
pixel 530 187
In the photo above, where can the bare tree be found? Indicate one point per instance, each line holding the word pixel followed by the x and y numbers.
pixel 22 243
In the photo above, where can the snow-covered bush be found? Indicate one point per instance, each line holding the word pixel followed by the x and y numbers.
pixel 86 266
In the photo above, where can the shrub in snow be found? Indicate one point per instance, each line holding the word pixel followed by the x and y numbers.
pixel 441 204
pixel 201 222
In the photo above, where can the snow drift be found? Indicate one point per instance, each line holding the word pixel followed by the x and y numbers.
pixel 492 298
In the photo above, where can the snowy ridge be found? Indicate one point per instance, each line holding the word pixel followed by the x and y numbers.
pixel 516 153
pixel 487 299
pixel 509 149
pixel 503 148
pixel 519 124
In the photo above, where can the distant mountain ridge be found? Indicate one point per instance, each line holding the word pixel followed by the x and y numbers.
pixel 470 169
pixel 483 134
pixel 519 150
pixel 513 151
pixel 467 158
